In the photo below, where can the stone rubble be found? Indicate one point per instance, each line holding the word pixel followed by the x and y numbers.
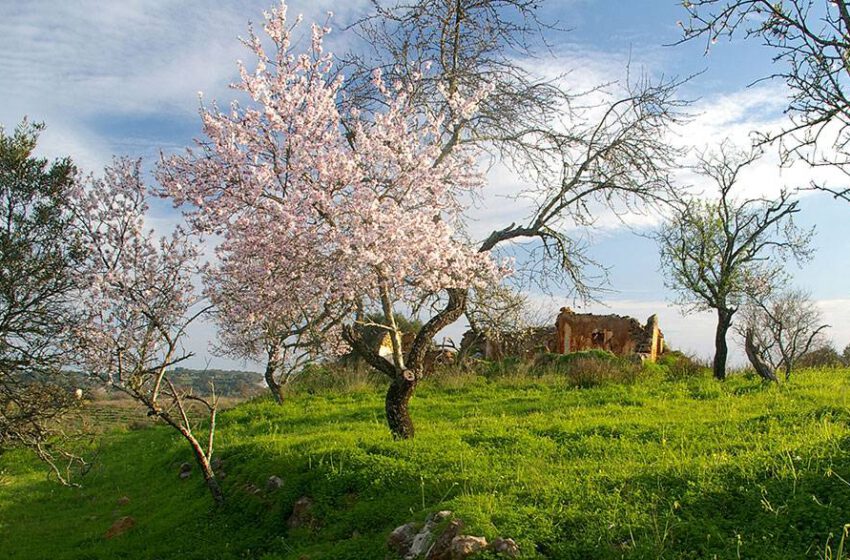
pixel 438 540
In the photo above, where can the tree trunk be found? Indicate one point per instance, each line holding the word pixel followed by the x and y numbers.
pixel 274 387
pixel 762 369
pixel 206 468
pixel 721 350
pixel 398 413
pixel 403 383
pixel 211 481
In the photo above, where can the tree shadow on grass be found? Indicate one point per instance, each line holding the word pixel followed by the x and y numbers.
pixel 354 504
pixel 791 507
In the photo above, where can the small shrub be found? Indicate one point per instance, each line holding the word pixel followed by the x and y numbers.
pixel 137 424
pixel 561 360
pixel 589 368
pixel 681 366
pixel 824 357
pixel 452 377
pixel 508 367
pixel 593 372
pixel 654 369
pixel 324 378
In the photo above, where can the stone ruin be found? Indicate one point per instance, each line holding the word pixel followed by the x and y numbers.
pixel 623 336
pixel 574 332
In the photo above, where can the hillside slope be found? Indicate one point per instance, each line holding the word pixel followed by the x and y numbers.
pixel 657 469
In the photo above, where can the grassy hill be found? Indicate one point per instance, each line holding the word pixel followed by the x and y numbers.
pixel 654 469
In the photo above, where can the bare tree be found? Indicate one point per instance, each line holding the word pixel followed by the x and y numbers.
pixel 38 255
pixel 810 40
pixel 497 308
pixel 499 311
pixel 756 354
pixel 577 151
pixel 781 328
pixel 716 253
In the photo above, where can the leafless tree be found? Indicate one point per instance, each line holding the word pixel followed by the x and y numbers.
pixel 716 253
pixel 576 151
pixel 498 308
pixel 755 354
pixel 781 328
pixel 810 40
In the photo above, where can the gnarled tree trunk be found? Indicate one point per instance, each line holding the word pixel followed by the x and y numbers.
pixel 403 382
pixel 271 369
pixel 721 349
pixel 396 406
pixel 762 369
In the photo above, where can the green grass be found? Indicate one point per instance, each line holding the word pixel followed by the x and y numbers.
pixel 689 468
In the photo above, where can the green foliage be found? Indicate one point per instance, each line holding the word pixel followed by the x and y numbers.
pixel 38 255
pixel 405 324
pixel 343 377
pixel 686 468
pixel 591 368
pixel 228 383
pixel 510 366
pixel 566 359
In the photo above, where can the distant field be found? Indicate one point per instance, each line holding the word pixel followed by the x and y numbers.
pixel 104 415
pixel 655 469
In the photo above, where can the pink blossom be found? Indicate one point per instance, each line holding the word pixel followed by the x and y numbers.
pixel 322 211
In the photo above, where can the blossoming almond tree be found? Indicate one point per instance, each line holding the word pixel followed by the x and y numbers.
pixel 255 323
pixel 139 299
pixel 354 212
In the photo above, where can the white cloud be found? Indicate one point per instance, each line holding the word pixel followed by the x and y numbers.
pixel 716 118
pixel 72 63
pixel 835 313
pixel 60 138
pixel 735 117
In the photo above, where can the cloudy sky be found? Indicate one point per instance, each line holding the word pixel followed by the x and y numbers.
pixel 123 78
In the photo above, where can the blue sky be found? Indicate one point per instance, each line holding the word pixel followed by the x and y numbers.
pixel 122 78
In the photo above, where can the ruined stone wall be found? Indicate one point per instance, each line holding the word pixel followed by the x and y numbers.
pixel 624 336
pixel 585 331
pixel 574 332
